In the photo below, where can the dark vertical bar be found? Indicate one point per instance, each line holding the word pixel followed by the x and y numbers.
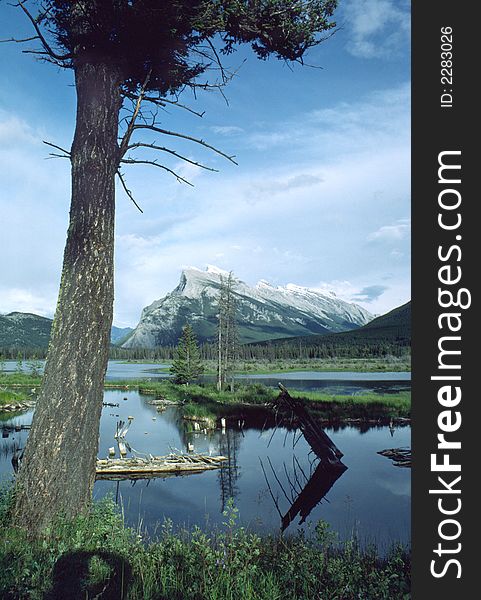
pixel 444 119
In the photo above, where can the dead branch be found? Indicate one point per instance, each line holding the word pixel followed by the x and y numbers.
pixel 130 128
pixel 127 191
pixel 176 154
pixel 57 148
pixel 48 49
pixel 163 101
pixel 54 155
pixel 186 137
pixel 179 105
pixel 153 163
pixel 19 41
pixel 225 79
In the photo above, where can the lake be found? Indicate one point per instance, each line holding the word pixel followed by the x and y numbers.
pixel 334 382
pixel 371 498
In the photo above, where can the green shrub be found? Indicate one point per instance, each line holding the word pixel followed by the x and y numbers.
pixel 96 554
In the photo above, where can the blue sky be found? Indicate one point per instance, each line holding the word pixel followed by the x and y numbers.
pixel 321 196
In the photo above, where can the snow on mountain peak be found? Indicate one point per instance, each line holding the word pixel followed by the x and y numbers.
pixel 292 287
pixel 216 271
pixel 262 283
pixel 263 312
pixel 299 289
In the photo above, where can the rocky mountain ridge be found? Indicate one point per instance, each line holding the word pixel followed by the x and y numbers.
pixel 264 311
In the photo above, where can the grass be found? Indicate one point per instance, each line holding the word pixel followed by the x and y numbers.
pixel 95 555
pixel 198 411
pixel 326 406
pixel 365 407
pixel 20 379
pixel 264 366
pixel 11 397
pixel 330 407
pixel 368 365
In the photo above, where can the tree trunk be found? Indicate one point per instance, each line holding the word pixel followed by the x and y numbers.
pixel 58 469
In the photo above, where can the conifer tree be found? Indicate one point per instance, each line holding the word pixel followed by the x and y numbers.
pixel 227 336
pixel 187 365
pixel 19 364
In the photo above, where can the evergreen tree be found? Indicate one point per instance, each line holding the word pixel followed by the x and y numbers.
pixel 187 365
pixel 19 365
pixel 227 336
pixel 34 366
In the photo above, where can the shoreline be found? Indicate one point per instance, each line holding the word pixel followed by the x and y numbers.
pixel 366 408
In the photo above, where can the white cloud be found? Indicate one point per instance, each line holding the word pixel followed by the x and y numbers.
pixel 396 254
pixel 25 300
pixel 377 28
pixel 377 298
pixel 274 186
pixel 392 233
pixel 373 122
pixel 343 289
pixel 340 177
pixel 227 129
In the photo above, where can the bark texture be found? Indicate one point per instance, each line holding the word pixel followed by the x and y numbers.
pixel 58 469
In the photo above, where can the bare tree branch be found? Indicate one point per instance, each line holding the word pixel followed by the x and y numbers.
pixel 54 155
pixel 163 101
pixel 57 147
pixel 179 105
pixel 225 79
pixel 176 154
pixel 130 128
pixel 127 191
pixel 21 41
pixel 45 44
pixel 186 137
pixel 208 87
pixel 153 163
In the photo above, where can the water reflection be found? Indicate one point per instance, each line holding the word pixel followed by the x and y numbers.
pixel 371 495
pixel 314 490
pixel 230 472
pixel 305 492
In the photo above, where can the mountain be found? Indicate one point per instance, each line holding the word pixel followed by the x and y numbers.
pixel 389 334
pixel 119 333
pixel 26 330
pixel 264 312
pixel 395 324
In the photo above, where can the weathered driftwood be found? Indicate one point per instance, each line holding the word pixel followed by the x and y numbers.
pixel 122 449
pixel 128 468
pixel 161 400
pixel 315 436
pixel 17 406
pixel 401 457
pixel 304 497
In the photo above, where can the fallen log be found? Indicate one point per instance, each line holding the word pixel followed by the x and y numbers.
pixel 401 457
pixel 130 468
